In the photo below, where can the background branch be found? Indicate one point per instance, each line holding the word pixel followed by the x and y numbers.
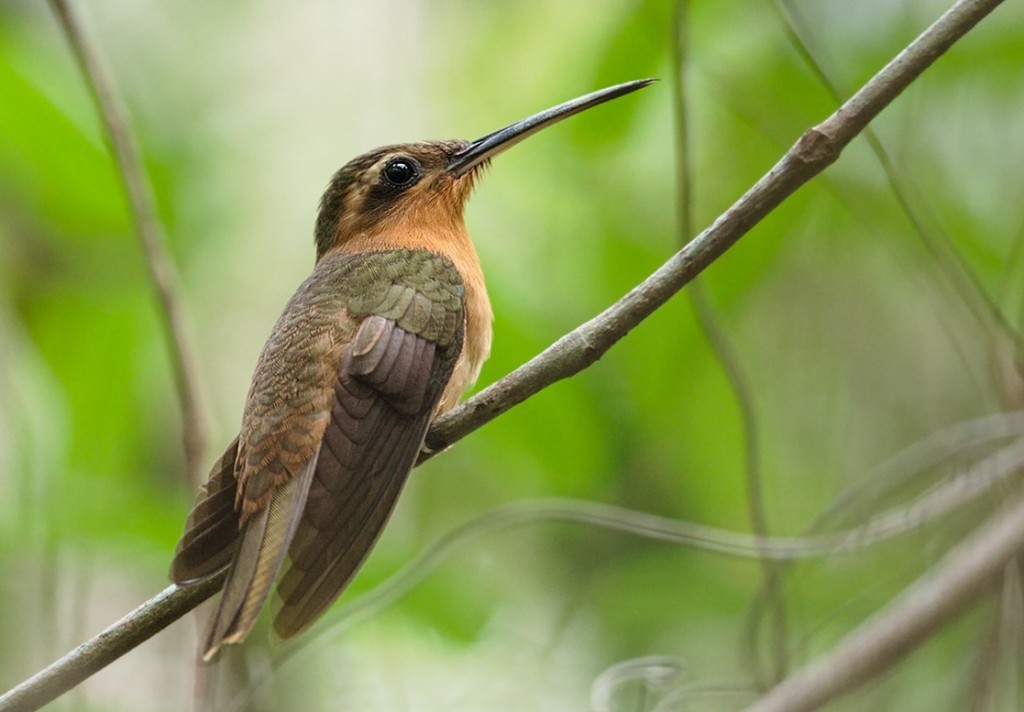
pixel 952 266
pixel 934 600
pixel 982 478
pixel 813 152
pixel 174 602
pixel 151 235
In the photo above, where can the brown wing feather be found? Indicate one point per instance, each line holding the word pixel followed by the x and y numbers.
pixel 257 561
pixel 385 396
pixel 211 532
pixel 353 370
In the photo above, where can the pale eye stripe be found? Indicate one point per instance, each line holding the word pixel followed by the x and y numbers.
pixel 367 178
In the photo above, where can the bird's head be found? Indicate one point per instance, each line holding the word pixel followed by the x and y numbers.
pixel 425 184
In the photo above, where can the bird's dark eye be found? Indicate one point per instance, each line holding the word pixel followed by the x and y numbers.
pixel 401 172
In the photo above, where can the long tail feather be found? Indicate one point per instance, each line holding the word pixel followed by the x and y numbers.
pixel 256 564
pixel 211 533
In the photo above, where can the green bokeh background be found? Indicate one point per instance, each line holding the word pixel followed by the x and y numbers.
pixel 853 337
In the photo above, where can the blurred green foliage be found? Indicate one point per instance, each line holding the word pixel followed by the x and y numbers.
pixel 858 335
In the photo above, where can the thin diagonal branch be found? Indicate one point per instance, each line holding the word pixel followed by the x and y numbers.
pixel 818 148
pixel 96 653
pixel 963 490
pixel 936 598
pixel 150 232
pixel 980 304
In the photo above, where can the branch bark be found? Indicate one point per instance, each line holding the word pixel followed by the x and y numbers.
pixel 96 653
pixel 151 235
pixel 816 149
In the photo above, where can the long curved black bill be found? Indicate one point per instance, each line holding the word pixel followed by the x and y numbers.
pixel 494 143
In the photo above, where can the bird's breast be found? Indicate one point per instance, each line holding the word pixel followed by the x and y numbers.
pixel 476 346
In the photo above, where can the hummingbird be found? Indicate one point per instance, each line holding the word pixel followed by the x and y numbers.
pixel 388 331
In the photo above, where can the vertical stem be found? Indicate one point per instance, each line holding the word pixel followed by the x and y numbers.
pixel 150 233
pixel 726 355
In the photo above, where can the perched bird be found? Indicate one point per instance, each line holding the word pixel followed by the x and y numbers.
pixel 385 334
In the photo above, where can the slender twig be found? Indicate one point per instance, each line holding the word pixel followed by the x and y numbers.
pixel 952 267
pixel 681 117
pixel 149 230
pixel 982 305
pixel 958 275
pixel 953 443
pixel 935 599
pixel 884 527
pixel 965 282
pixel 813 152
pixel 650 674
pixel 731 366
